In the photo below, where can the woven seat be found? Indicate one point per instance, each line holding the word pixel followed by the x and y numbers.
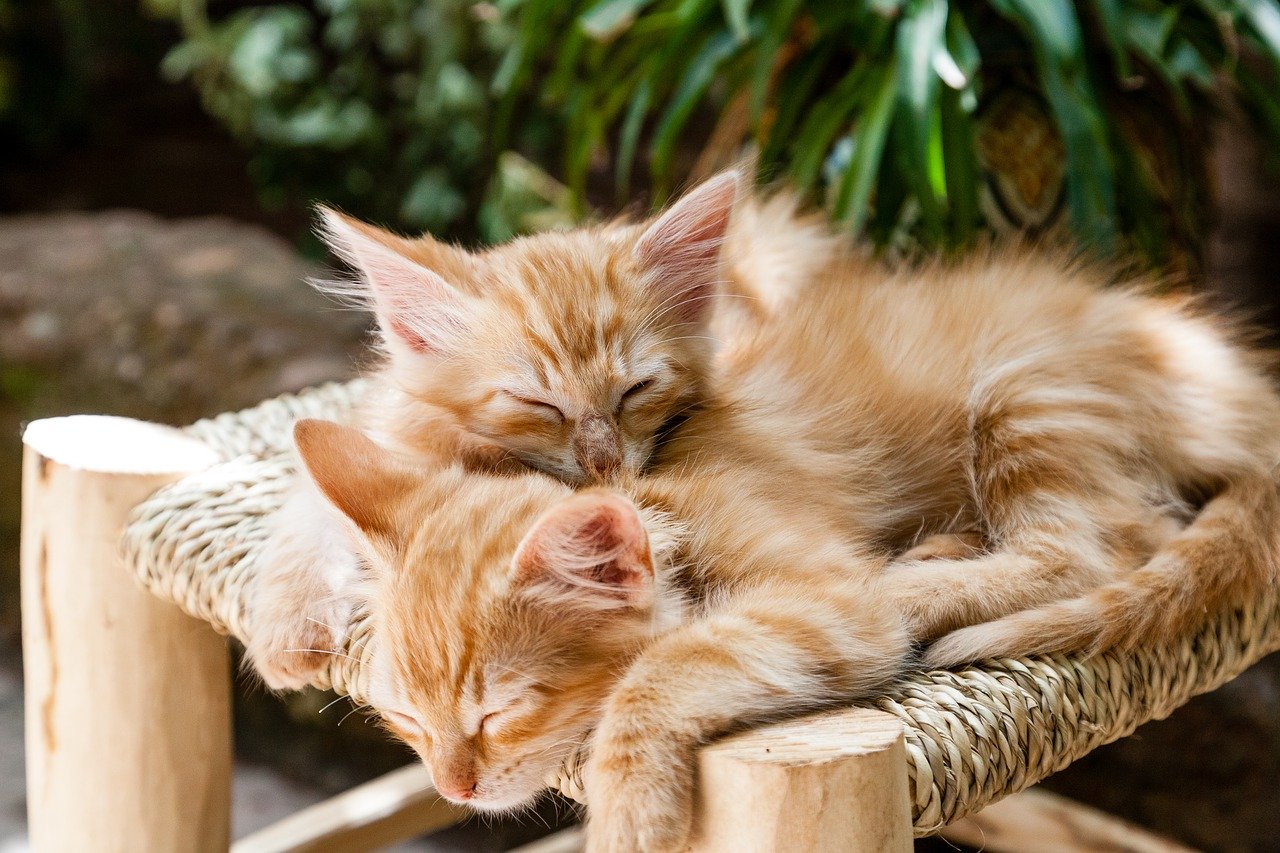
pixel 973 736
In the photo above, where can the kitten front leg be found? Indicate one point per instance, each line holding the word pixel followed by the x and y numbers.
pixel 300 606
pixel 771 651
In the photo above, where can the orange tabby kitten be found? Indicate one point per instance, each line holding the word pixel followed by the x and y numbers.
pixel 568 352
pixel 512 616
pixel 1068 426
pixel 744 576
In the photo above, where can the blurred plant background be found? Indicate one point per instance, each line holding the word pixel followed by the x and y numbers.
pixel 158 161
pixel 920 118
pixel 919 122
pixel 382 106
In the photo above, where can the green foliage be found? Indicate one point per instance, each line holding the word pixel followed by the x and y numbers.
pixel 878 102
pixel 379 106
pixel 400 109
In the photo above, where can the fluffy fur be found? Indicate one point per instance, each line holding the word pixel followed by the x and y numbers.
pixel 1035 442
pixel 513 616
pixel 1071 428
pixel 567 352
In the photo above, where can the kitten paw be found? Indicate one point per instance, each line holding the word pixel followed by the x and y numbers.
pixel 638 800
pixel 294 637
pixel 290 658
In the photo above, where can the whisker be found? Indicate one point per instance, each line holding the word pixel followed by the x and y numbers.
pixel 325 652
pixel 331 704
pixel 352 711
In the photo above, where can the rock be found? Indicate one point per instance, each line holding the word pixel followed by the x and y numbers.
pixel 167 320
pixel 124 313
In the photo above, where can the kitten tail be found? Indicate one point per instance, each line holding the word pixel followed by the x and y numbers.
pixel 1229 552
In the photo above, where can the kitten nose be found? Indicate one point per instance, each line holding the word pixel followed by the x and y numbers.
pixel 596 447
pixel 455 791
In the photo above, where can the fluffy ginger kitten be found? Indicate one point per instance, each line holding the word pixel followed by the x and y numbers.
pixel 567 352
pixel 1073 426
pixel 513 616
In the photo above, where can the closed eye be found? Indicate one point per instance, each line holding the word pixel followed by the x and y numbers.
pixel 403 722
pixel 541 405
pixel 637 389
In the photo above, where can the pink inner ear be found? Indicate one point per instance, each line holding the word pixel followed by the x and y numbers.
pixel 593 549
pixel 413 303
pixel 683 247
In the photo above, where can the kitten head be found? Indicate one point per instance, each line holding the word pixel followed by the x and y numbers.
pixel 569 350
pixel 505 608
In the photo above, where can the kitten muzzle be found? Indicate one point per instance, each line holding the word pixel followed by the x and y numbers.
pixel 597 447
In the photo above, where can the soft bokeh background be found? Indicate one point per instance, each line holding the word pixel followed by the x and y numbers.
pixel 158 160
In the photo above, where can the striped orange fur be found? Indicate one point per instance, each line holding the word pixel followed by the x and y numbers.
pixel 999 455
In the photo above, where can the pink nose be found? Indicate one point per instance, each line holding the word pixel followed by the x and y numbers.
pixel 457 790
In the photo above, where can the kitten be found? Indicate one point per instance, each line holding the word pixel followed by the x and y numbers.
pixel 1011 396
pixel 513 615
pixel 566 352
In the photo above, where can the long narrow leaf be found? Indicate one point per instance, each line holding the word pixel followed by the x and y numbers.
pixel 629 138
pixel 854 193
pixel 919 36
pixel 776 28
pixel 826 119
pixel 693 85
pixel 607 18
pixel 735 14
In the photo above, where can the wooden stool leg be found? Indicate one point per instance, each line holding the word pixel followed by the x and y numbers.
pixel 128 721
pixel 835 781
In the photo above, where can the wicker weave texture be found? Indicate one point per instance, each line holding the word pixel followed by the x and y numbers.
pixel 973 736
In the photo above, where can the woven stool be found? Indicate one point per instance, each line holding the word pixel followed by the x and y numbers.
pixel 940 746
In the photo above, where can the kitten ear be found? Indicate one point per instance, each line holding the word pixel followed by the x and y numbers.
pixel 361 479
pixel 416 306
pixel 682 248
pixel 589 550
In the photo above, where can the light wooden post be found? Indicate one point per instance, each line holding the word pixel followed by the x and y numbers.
pixel 128 725
pixel 836 781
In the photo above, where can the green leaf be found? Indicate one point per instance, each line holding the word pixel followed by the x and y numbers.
pixel 735 14
pixel 1054 34
pixel 1264 18
pixel 1111 15
pixel 887 8
pixel 793 97
pixel 853 195
pixel 961 46
pixel 920 36
pixel 629 137
pixel 827 118
pixel 777 27
pixel 962 174
pixel 693 85
pixel 606 19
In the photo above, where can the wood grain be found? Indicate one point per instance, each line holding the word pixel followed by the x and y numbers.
pixel 128 727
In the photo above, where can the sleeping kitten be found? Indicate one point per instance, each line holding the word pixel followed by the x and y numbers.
pixel 567 352
pixel 744 576
pixel 513 615
pixel 1069 426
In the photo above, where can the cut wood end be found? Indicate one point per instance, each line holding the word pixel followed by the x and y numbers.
pixel 115 445
pixel 819 739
